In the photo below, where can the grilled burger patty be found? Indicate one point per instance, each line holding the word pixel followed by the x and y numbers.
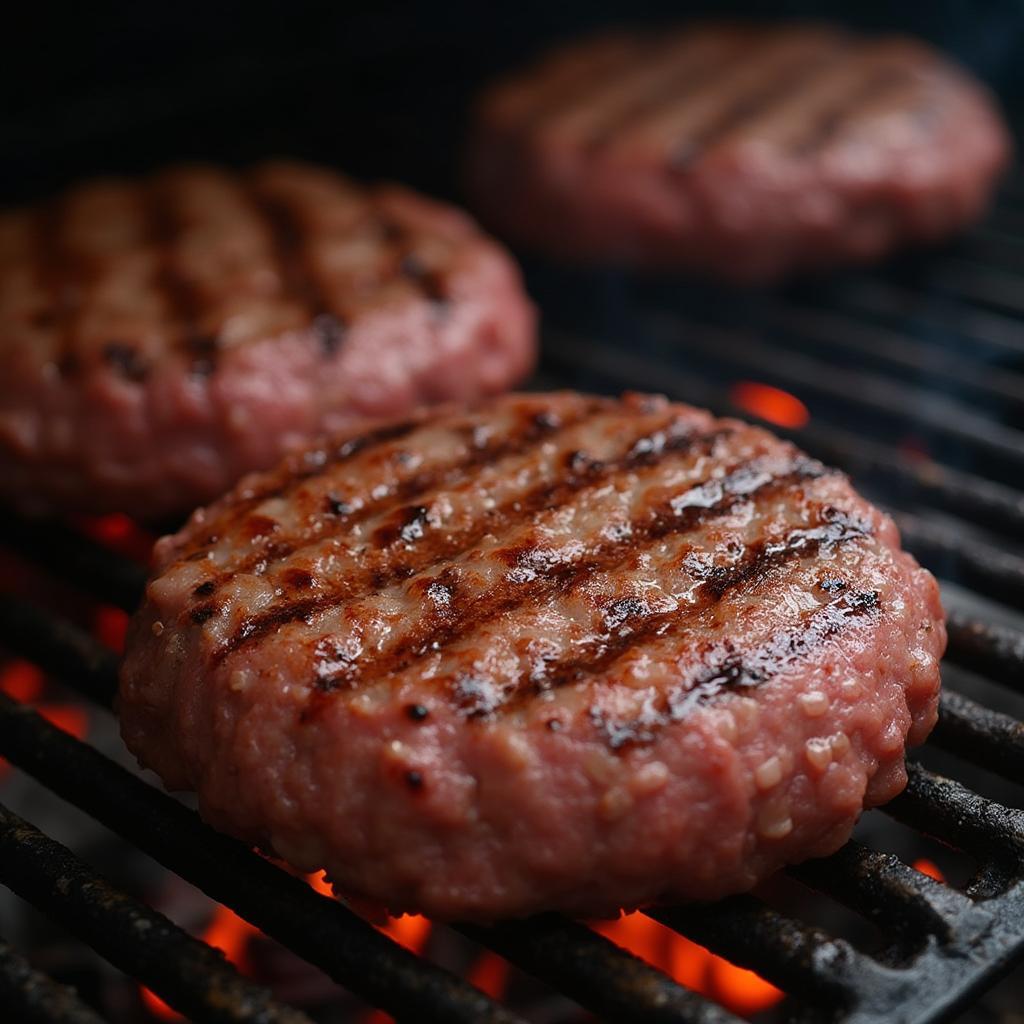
pixel 739 150
pixel 553 652
pixel 161 338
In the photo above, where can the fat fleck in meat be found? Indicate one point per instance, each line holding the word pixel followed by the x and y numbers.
pixel 543 652
pixel 742 151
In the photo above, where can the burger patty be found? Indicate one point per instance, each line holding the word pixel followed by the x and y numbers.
pixel 743 151
pixel 548 652
pixel 161 338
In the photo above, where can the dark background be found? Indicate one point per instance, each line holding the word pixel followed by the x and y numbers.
pixel 377 89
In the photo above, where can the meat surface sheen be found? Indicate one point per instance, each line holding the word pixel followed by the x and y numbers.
pixel 744 151
pixel 160 338
pixel 545 652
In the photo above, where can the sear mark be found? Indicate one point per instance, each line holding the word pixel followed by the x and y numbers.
pixel 126 360
pixel 730 671
pixel 203 613
pixel 329 332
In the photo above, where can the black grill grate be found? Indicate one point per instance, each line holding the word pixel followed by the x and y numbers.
pixel 926 351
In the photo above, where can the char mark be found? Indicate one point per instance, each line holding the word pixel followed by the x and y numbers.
pixel 630 623
pixel 687 79
pixel 126 359
pixel 730 672
pixel 534 577
pixel 354 510
pixel 300 279
pixel 758 100
pixel 663 442
pixel 430 281
pixel 179 293
pixel 829 125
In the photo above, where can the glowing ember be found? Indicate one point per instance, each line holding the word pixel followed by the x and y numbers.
pixel 739 990
pixel 929 868
pixel 157 1007
pixel 110 625
pixel 69 717
pixel 119 533
pixel 21 680
pixel 490 974
pixel 771 404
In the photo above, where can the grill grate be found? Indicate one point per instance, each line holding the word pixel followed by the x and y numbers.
pixel 926 351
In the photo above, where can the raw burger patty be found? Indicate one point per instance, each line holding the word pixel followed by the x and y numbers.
pixel 554 652
pixel 739 150
pixel 161 338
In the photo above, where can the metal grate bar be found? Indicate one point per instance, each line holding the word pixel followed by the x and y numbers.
pixel 595 972
pixel 805 961
pixel 59 647
pixel 889 892
pixel 818 327
pixel 33 998
pixel 993 650
pixel 979 734
pixel 983 567
pixel 988 503
pixel 317 928
pixel 949 812
pixel 183 971
pixel 864 391
pixel 76 559
pixel 974 498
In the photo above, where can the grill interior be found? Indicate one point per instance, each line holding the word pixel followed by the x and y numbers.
pixel 912 377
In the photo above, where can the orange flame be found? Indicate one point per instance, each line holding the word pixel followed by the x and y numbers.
pixel 736 988
pixel 769 403
pixel 226 931
pixel 929 868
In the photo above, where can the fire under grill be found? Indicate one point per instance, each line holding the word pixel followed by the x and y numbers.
pixel 912 379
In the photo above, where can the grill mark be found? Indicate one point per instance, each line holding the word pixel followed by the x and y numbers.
pixel 752 570
pixel 760 98
pixel 732 672
pixel 298 276
pixel 544 108
pixel 829 124
pixel 544 496
pixel 57 276
pixel 430 281
pixel 662 95
pixel 455 620
pixel 181 296
pixel 283 484
pixel 529 432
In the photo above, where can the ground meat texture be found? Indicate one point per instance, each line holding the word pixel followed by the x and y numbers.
pixel 160 338
pixel 547 652
pixel 743 151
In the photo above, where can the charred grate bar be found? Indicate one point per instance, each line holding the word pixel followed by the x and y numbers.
pixel 972 939
pixel 184 971
pixel 30 996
